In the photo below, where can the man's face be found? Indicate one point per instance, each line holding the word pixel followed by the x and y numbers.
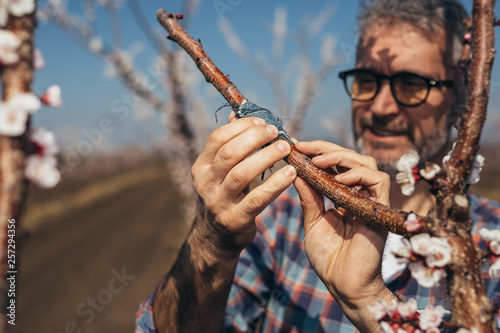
pixel 385 129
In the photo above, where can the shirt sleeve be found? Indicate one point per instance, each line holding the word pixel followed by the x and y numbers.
pixel 254 278
pixel 144 322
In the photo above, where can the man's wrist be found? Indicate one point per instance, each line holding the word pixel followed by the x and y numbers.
pixel 358 310
pixel 214 239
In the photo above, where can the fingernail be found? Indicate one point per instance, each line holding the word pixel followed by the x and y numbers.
pixel 289 171
pixel 258 121
pixel 338 177
pixel 272 129
pixel 283 146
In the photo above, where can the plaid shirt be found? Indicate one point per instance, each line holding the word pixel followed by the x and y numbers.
pixel 275 288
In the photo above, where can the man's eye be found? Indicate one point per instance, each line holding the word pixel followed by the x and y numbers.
pixel 365 81
pixel 411 83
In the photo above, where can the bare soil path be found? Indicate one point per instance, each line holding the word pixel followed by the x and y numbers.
pixel 89 268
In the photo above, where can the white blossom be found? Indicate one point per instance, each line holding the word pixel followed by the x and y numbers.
pixel 4 15
pixel 494 247
pixel 494 270
pixel 45 142
pixel 38 60
pixel 378 309
pixel 433 330
pixel 20 7
pixel 25 102
pixel 405 176
pixel 476 168
pixel 420 244
pixel 42 171
pixel 404 253
pixel 386 327
pixel 490 235
pixel 52 96
pixel 408 310
pixel 448 156
pixel 12 122
pixel 41 166
pixel 412 223
pixel 391 307
pixel 439 252
pixel 9 45
pixel 426 276
pixel 431 317
pixel 430 171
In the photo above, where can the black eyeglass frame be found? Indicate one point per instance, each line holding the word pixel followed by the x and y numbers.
pixel 379 77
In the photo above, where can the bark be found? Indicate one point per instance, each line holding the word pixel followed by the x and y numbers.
pixel 15 79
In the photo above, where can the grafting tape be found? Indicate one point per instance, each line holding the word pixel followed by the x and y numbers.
pixel 250 109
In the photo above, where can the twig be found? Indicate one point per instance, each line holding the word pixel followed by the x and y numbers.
pixel 343 196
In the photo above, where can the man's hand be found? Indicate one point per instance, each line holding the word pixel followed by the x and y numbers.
pixel 345 252
pixel 224 170
pixel 193 295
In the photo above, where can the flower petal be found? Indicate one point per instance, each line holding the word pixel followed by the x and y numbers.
pixel 9 45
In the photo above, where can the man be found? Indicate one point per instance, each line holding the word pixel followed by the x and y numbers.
pixel 316 269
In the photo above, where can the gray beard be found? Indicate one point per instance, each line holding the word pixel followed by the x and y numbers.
pixel 428 150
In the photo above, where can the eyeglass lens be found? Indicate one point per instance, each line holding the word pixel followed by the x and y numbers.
pixel 407 89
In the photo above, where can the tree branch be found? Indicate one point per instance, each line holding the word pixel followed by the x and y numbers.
pixel 471 307
pixel 343 196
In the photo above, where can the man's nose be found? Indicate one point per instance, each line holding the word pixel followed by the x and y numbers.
pixel 384 103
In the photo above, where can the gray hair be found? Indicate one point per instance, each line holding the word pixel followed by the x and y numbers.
pixel 426 15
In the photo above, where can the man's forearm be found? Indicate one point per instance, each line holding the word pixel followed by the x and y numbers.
pixel 358 312
pixel 193 295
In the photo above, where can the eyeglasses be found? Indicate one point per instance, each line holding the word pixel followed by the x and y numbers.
pixel 408 89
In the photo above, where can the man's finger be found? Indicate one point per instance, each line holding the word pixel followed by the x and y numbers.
pixel 346 159
pixel 224 134
pixel 263 195
pixel 377 182
pixel 311 201
pixel 250 168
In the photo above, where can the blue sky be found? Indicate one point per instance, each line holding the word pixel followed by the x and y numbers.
pixel 89 96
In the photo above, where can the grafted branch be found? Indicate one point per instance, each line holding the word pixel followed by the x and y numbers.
pixel 343 196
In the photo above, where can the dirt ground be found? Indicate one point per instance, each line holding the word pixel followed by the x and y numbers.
pixel 90 265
